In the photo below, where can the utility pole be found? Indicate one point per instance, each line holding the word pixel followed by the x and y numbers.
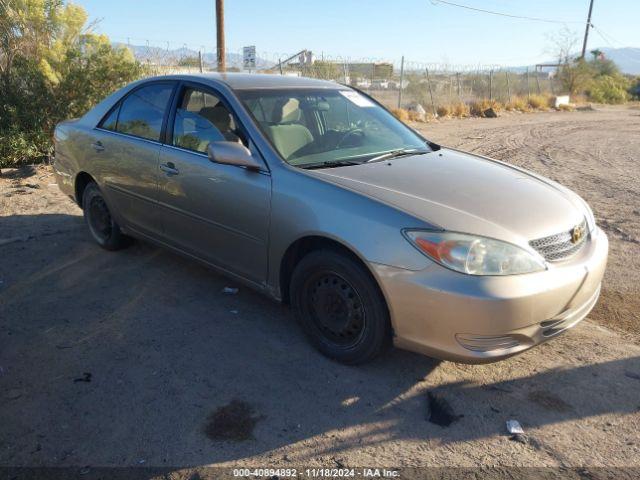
pixel 401 81
pixel 586 31
pixel 222 63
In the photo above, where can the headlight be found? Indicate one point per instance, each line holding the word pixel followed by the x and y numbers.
pixel 475 255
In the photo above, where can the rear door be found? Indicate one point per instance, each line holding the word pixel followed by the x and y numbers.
pixel 219 213
pixel 126 152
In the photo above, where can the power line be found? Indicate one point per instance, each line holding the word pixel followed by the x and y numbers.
pixel 608 38
pixel 605 36
pixel 502 14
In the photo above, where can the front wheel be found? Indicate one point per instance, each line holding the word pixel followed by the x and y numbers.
pixel 340 307
pixel 103 228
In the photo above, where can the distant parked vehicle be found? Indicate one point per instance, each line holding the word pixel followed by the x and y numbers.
pixel 314 194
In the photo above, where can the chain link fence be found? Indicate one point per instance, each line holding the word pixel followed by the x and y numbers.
pixel 403 84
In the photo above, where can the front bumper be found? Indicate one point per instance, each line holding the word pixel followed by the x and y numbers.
pixel 464 318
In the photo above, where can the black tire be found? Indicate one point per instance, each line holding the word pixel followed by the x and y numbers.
pixel 102 227
pixel 340 307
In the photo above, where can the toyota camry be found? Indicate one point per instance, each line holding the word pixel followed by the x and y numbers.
pixel 314 194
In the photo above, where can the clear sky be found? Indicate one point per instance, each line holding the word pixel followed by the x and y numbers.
pixel 422 30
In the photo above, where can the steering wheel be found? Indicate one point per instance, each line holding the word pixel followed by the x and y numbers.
pixel 356 133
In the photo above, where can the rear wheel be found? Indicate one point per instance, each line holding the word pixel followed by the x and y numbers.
pixel 103 228
pixel 340 307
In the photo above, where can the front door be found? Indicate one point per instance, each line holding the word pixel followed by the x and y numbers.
pixel 217 212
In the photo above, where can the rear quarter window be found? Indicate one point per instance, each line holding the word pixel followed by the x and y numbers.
pixel 110 121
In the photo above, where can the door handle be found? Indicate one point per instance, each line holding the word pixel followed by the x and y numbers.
pixel 169 168
pixel 97 146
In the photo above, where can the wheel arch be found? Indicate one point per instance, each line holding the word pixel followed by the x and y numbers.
pixel 311 243
pixel 82 180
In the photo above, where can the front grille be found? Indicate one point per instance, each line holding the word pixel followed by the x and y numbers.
pixel 560 246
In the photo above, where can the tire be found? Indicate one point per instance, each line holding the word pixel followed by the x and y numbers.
pixel 340 307
pixel 102 227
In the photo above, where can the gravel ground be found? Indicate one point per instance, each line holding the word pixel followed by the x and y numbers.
pixel 138 359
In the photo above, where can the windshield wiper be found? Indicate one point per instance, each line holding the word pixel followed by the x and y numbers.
pixel 329 164
pixel 396 153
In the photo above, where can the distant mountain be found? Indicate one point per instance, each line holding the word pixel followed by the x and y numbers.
pixel 627 59
pixel 163 56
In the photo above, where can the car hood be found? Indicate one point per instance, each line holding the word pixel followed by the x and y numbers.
pixel 461 192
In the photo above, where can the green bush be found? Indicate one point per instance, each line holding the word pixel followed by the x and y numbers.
pixel 609 89
pixel 51 69
pixel 18 147
pixel 599 78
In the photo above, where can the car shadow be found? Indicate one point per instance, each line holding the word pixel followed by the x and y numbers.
pixel 24 171
pixel 122 358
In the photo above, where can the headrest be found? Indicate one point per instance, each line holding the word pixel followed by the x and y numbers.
pixel 195 121
pixel 286 111
pixel 218 115
pixel 322 106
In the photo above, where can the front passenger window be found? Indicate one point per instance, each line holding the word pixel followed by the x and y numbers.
pixel 202 118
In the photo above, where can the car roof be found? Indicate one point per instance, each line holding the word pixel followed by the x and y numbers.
pixel 250 81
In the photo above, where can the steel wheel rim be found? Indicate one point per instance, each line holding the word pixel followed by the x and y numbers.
pixel 335 308
pixel 100 220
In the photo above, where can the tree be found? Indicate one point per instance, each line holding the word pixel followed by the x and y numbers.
pixel 562 45
pixel 575 76
pixel 605 66
pixel 596 54
pixel 573 72
pixel 600 77
pixel 52 67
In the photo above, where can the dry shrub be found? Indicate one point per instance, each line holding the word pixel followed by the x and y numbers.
pixel 496 105
pixel 430 117
pixel 415 116
pixel 443 111
pixel 401 114
pixel 478 107
pixel 519 104
pixel 566 108
pixel 539 102
pixel 460 110
pixel 579 99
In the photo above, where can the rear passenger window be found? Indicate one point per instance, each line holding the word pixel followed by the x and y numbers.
pixel 142 112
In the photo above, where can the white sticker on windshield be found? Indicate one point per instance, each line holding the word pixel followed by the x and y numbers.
pixel 356 98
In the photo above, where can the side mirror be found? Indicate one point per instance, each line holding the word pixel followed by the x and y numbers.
pixel 232 153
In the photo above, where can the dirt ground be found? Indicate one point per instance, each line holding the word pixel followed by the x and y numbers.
pixel 138 359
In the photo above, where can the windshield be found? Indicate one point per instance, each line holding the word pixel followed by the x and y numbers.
pixel 322 128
